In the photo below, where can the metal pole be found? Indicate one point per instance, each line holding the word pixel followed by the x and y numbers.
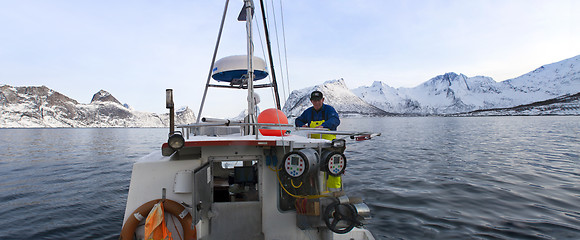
pixel 270 55
pixel 251 103
pixel 217 44
pixel 171 106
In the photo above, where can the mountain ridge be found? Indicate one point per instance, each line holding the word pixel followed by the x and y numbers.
pixel 104 96
pixel 568 104
pixel 452 93
pixel 551 89
pixel 336 94
pixel 40 106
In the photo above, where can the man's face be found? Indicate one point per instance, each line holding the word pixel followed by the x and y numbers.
pixel 317 104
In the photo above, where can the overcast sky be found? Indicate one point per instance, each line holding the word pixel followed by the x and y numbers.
pixel 137 49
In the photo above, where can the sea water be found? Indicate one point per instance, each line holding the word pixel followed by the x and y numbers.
pixel 423 178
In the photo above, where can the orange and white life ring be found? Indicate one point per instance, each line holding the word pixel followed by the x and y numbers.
pixel 170 206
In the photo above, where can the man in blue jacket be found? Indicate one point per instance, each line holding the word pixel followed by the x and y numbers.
pixel 319 115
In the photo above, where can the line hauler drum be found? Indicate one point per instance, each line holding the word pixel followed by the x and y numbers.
pixel 301 162
pixel 334 162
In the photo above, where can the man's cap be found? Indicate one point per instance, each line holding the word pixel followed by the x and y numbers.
pixel 316 95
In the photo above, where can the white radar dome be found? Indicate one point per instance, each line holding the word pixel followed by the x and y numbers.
pixel 234 67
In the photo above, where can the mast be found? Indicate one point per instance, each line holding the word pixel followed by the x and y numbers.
pixel 246 80
pixel 251 118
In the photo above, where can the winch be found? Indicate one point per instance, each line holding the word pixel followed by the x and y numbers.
pixel 305 172
pixel 334 162
pixel 302 162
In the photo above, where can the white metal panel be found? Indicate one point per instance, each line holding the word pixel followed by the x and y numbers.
pixel 151 175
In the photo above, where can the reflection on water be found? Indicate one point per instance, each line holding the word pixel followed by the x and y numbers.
pixel 424 178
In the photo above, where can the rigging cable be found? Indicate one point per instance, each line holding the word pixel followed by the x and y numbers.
pixel 286 58
pixel 271 79
pixel 267 62
pixel 267 35
pixel 278 46
pixel 285 49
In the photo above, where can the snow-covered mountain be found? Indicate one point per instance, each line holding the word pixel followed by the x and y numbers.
pixel 550 89
pixel 44 107
pixel 335 94
pixel 563 105
pixel 454 93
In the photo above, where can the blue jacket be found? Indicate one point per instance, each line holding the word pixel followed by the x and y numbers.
pixel 326 113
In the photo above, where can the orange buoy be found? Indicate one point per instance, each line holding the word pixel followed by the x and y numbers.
pixel 272 115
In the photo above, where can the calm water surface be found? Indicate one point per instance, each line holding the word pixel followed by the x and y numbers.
pixel 424 178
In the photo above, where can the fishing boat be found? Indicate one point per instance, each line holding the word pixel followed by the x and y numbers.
pixel 256 178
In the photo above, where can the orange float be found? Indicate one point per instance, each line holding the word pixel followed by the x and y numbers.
pixel 272 115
